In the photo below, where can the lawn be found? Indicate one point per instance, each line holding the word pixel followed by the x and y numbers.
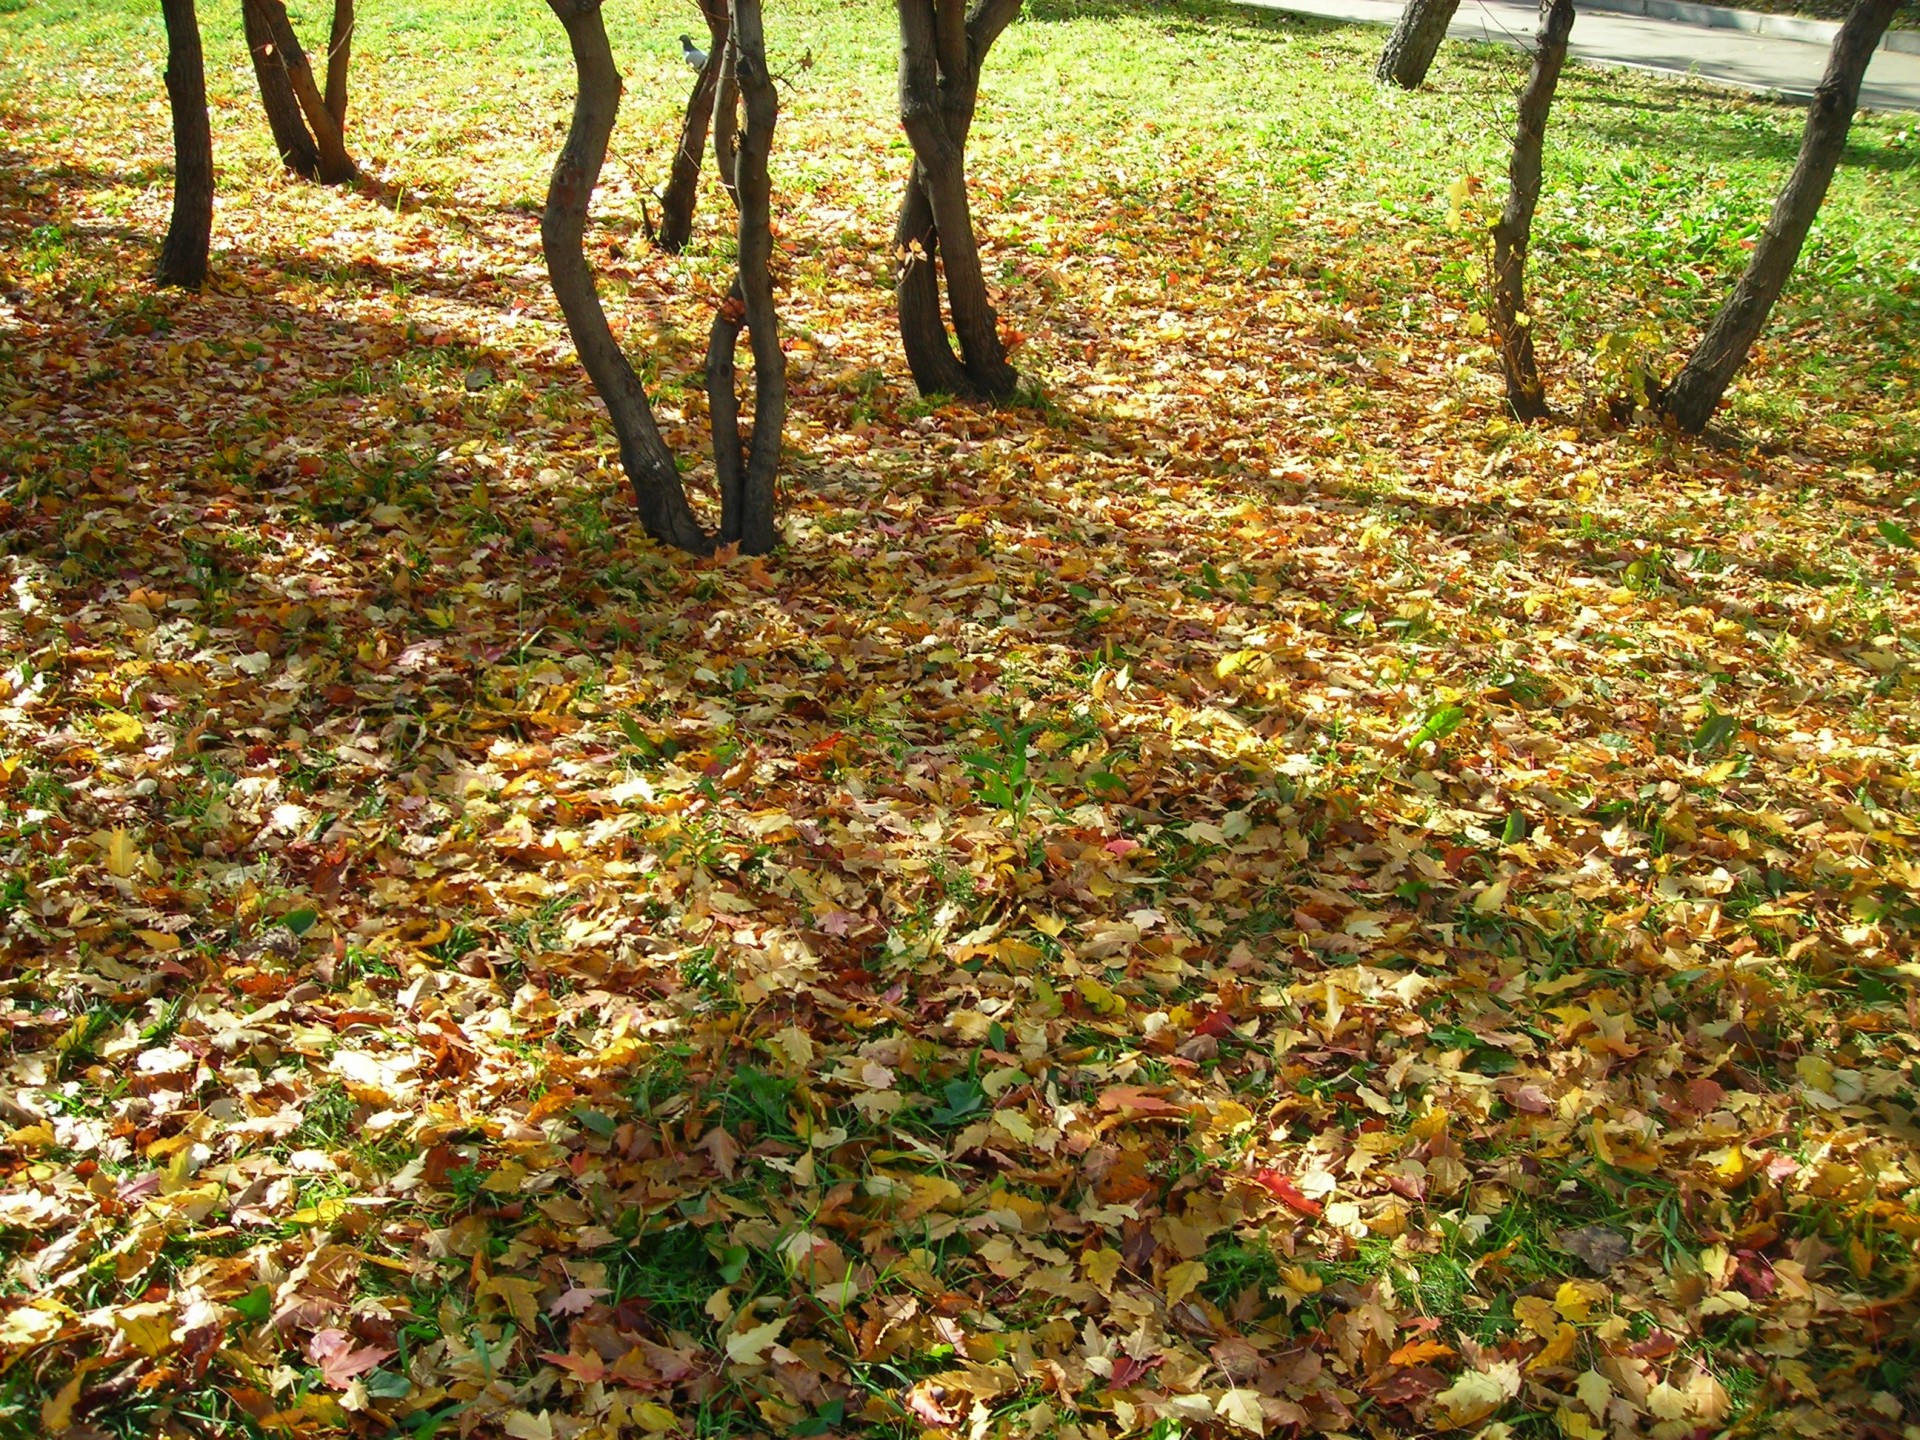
pixel 1240 894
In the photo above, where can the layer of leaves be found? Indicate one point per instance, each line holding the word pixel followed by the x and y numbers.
pixel 1242 895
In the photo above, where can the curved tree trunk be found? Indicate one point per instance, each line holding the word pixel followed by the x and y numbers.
pixel 183 258
pixel 282 51
pixel 1414 42
pixel 1512 325
pixel 683 179
pixel 1695 393
pixel 747 470
pixel 290 137
pixel 942 46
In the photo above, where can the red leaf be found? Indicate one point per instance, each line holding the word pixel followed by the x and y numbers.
pixel 1282 1188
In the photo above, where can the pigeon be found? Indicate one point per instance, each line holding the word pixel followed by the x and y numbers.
pixel 695 56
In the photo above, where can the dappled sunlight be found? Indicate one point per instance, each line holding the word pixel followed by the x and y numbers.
pixel 1241 892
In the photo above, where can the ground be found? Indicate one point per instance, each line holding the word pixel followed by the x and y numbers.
pixel 1241 893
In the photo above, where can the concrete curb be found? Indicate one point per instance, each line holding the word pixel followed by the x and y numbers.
pixel 1753 22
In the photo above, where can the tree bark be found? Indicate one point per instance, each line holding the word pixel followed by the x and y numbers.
pixel 683 179
pixel 336 166
pixel 726 127
pixel 1695 393
pixel 942 47
pixel 747 472
pixel 1512 325
pixel 746 469
pixel 1414 42
pixel 339 55
pixel 290 137
pixel 183 258
pixel 657 492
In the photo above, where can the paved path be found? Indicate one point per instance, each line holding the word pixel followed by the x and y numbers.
pixel 1765 63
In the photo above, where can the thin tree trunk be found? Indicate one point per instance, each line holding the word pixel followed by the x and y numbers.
pixel 336 165
pixel 726 127
pixel 683 179
pixel 1512 325
pixel 290 137
pixel 183 258
pixel 1414 42
pixel 657 492
pixel 339 55
pixel 1695 393
pixel 942 46
pixel 761 105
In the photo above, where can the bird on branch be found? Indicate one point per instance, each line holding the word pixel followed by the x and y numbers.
pixel 695 56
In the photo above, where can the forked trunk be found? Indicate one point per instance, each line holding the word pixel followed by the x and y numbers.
pixel 282 50
pixel 1695 393
pixel 942 46
pixel 1414 42
pixel 1512 325
pixel 183 258
pixel 746 469
pixel 290 137
pixel 678 200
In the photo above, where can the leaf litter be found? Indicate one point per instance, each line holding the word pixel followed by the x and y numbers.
pixel 1154 912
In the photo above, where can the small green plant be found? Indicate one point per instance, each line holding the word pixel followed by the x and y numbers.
pixel 1005 775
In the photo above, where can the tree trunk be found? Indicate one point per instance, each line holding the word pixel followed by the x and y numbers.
pixel 683 179
pixel 942 46
pixel 1695 393
pixel 726 127
pixel 1414 42
pixel 290 135
pixel 183 258
pixel 336 166
pixel 339 54
pixel 747 472
pixel 1512 325
pixel 657 492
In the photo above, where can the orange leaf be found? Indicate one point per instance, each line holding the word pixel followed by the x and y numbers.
pixel 1419 1352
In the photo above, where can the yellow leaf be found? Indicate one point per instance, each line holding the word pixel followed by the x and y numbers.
pixel 1469 1400
pixel 123 856
pixel 750 1346
pixel 1602 1151
pixel 1489 900
pixel 1575 1300
pixel 148 1326
pixel 1102 1000
pixel 122 731
pixel 1241 1409
pixel 1537 1315
pixel 1594 1390
pixel 159 939
pixel 1101 1265
pixel 654 1418
pixel 1558 1349
pixel 522 1297
pixel 1183 1279
pixel 323 1211
pixel 1301 1280
pixel 1576 1426
pixel 56 1411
